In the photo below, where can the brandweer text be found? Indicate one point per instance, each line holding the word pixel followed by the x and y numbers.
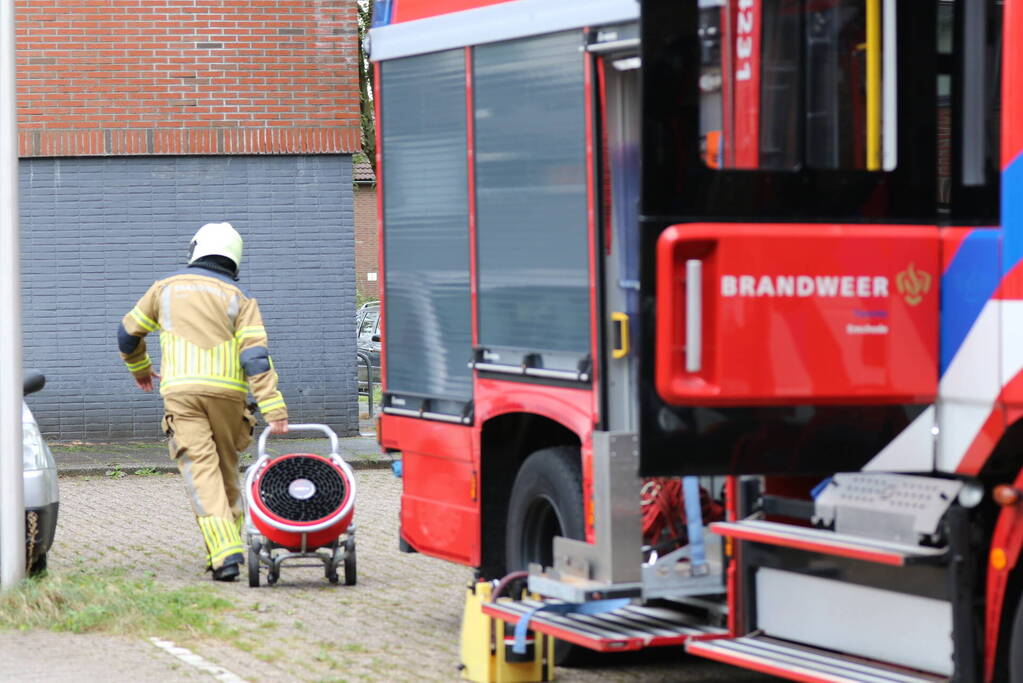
pixel 848 286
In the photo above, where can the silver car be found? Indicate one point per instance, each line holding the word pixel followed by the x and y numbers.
pixel 367 326
pixel 41 494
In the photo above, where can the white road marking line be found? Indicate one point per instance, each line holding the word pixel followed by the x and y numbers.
pixel 196 661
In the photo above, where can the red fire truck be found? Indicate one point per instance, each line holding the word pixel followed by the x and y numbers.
pixel 714 307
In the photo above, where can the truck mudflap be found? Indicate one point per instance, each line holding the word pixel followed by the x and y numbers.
pixel 631 627
pixel 802 663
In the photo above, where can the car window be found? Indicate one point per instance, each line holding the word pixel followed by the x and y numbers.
pixel 369 323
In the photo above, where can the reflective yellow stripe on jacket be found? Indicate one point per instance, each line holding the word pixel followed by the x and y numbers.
pixel 186 363
pixel 147 323
pixel 141 365
pixel 275 402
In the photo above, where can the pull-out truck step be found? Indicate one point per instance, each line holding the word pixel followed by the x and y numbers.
pixel 802 663
pixel 632 627
pixel 829 542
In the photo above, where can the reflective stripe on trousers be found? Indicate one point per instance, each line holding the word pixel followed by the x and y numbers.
pixel 221 537
pixel 206 435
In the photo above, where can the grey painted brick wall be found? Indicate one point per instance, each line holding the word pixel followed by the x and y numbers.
pixel 96 232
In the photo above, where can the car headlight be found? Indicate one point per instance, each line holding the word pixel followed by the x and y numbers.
pixel 35 453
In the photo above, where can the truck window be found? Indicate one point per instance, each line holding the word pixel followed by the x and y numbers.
pixel 787 84
pixel 427 329
pixel 792 110
pixel 532 241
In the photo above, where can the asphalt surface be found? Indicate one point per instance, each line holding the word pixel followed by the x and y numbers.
pixel 399 623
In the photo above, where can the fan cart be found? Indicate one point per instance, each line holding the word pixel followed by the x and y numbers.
pixel 299 506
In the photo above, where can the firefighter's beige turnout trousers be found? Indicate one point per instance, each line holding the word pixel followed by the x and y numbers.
pixel 206 434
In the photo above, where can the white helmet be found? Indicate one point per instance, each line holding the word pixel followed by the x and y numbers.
pixel 216 239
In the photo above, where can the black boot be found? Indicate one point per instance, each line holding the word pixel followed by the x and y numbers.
pixel 230 569
pixel 229 572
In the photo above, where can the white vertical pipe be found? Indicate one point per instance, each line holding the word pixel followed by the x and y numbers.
pixel 12 497
pixel 889 69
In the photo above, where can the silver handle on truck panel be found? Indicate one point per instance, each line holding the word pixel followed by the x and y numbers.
pixel 694 314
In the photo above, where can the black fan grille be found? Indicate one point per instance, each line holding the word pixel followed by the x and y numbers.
pixel 273 489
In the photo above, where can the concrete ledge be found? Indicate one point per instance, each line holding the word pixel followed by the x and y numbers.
pixel 102 471
pixel 127 457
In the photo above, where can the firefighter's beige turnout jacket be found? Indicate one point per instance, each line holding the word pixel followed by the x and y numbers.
pixel 212 340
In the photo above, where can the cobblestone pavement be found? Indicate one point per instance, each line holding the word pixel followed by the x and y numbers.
pixel 400 623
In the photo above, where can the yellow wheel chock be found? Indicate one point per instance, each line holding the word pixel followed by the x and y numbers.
pixel 486 646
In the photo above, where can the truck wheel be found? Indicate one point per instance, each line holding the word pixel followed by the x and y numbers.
pixel 1016 647
pixel 546 501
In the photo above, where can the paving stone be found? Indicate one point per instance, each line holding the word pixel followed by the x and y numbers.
pixel 87 657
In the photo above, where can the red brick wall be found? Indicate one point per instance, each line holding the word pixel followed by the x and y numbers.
pixel 120 77
pixel 366 240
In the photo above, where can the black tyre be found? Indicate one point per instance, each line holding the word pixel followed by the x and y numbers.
pixel 351 569
pixel 272 576
pixel 253 565
pixel 546 501
pixel 1016 647
pixel 330 569
pixel 38 565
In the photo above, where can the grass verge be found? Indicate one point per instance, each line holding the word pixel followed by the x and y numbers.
pixel 88 602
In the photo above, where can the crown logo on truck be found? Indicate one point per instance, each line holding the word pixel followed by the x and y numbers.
pixel 913 284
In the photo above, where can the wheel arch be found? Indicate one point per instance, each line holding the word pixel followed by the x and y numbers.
pixel 506 440
pixel 1003 586
pixel 997 660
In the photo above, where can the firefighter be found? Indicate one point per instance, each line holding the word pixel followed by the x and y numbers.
pixel 213 351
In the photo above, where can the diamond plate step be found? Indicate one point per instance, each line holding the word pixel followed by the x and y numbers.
pixel 802 663
pixel 829 542
pixel 633 627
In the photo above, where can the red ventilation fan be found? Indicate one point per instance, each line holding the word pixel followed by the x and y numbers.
pixel 300 506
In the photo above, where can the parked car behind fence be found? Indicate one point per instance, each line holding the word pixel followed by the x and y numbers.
pixel 368 343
